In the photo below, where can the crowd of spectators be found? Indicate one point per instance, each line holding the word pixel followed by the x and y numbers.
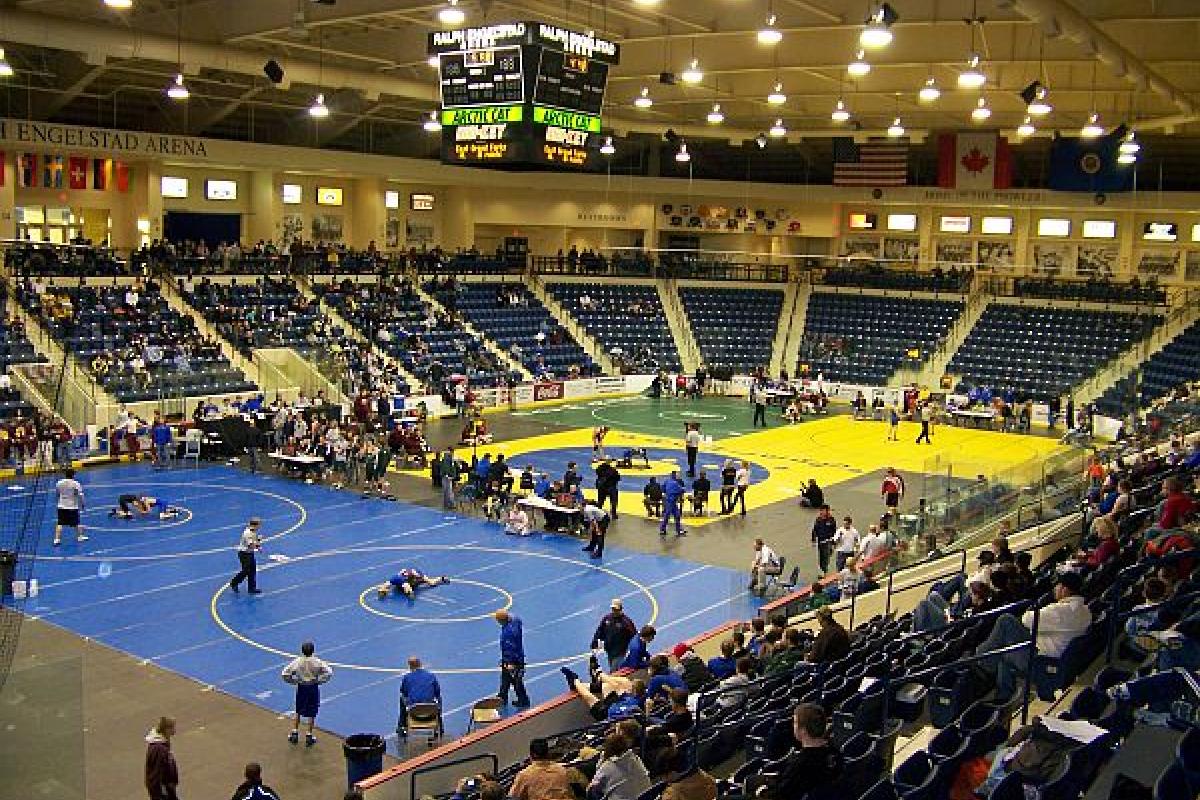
pixel 876 276
pixel 1094 289
pixel 264 313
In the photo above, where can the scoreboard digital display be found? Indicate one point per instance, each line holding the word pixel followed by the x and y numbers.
pixel 522 93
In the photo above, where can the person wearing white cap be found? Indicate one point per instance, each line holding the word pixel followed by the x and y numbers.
pixel 614 633
pixel 248 545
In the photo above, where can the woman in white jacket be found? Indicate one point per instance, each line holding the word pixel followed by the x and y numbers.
pixel 621 775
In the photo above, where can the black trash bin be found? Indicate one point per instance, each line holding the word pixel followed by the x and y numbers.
pixel 8 568
pixel 364 756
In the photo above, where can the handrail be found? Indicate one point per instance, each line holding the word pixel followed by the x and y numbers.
pixel 490 757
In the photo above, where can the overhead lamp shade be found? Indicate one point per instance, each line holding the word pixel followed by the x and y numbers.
pixel 930 91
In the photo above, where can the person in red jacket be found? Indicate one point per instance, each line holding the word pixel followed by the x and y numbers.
pixel 1107 548
pixel 1178 507
pixel 162 774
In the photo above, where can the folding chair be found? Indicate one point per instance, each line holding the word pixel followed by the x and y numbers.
pixel 484 712
pixel 191 445
pixel 424 719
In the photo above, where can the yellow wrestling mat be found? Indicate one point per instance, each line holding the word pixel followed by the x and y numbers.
pixel 831 451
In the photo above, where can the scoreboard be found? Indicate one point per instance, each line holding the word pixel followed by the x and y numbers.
pixel 522 93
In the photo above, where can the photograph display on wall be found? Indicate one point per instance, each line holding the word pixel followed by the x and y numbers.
pixel 1161 263
pixel 954 253
pixel 860 247
pixel 392 232
pixel 417 234
pixel 292 229
pixel 1096 261
pixel 327 228
pixel 1052 259
pixel 1191 268
pixel 904 249
pixel 996 256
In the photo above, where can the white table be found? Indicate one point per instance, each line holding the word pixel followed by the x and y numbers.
pixel 976 417
pixel 574 515
pixel 301 463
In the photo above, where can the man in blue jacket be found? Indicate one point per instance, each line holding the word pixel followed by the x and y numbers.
pixel 512 659
pixel 160 434
pixel 418 686
pixel 673 492
pixel 638 655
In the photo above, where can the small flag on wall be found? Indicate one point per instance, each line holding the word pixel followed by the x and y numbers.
pixel 77 172
pixel 100 173
pixel 976 160
pixel 52 172
pixel 121 171
pixel 878 162
pixel 26 170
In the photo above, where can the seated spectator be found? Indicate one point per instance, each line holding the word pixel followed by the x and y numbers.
pixel 814 763
pixel 832 642
pixel 724 665
pixel 813 496
pixel 679 720
pixel 686 783
pixel 546 779
pixel 652 498
pixel 662 679
pixel 517 521
pixel 691 668
pixel 700 491
pixel 1106 548
pixel 1176 508
pixel 1059 623
pixel 787 657
pixel 620 774
pixel 727 696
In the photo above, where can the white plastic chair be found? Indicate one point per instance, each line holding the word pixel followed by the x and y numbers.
pixel 191 445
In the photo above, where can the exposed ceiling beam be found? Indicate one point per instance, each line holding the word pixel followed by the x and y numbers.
pixel 77 76
pixel 816 10
pixel 206 120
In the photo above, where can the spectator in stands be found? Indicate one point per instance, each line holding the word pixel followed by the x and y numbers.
pixel 638 655
pixel 727 696
pixel 546 779
pixel 787 657
pixel 662 679
pixel 764 565
pixel 1059 623
pixel 1106 548
pixel 419 685
pixel 814 764
pixel 620 774
pixel 724 665
pixel 684 783
pixel 849 578
pixel 832 642
pixel 1176 508
pixel 691 668
pixel 614 633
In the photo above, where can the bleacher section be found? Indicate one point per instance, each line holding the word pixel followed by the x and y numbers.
pixel 1175 364
pixel 146 349
pixel 911 280
pixel 265 313
pixel 430 347
pixel 625 318
pixel 510 315
pixel 866 338
pixel 1042 352
pixel 734 328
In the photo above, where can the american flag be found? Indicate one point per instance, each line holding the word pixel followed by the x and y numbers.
pixel 878 162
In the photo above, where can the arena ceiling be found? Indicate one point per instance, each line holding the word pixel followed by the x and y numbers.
pixel 80 61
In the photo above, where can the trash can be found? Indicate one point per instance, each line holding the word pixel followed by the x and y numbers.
pixel 364 756
pixel 8 568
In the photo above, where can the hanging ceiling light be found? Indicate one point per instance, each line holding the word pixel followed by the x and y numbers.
pixel 777 97
pixel 972 77
pixel 607 148
pixel 451 14
pixel 716 116
pixel 981 111
pixel 643 100
pixel 929 92
pixel 1026 128
pixel 693 73
pixel 778 130
pixel 121 4
pixel 683 156
pixel 318 110
pixel 859 66
pixel 1092 128
pixel 769 34
pixel 6 70
pixel 878 30
pixel 895 130
pixel 431 124
pixel 1129 145
pixel 839 113
pixel 177 90
pixel 1035 100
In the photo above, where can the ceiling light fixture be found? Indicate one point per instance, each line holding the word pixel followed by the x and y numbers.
pixel 318 110
pixel 607 148
pixel 981 111
pixel 761 141
pixel 6 70
pixel 778 130
pixel 451 14
pixel 839 113
pixel 1026 128
pixel 431 124
pixel 1126 158
pixel 1129 145
pixel 769 34
pixel 859 66
pixel 972 77
pixel 716 116
pixel 643 100
pixel 878 30
pixel 895 130
pixel 777 97
pixel 693 73
pixel 1092 128
pixel 178 90
pixel 119 4
pixel 683 156
pixel 929 92
pixel 1034 96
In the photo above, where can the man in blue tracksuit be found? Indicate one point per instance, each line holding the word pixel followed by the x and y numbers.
pixel 673 492
pixel 638 655
pixel 512 659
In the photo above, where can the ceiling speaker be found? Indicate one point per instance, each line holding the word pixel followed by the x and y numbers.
pixel 273 71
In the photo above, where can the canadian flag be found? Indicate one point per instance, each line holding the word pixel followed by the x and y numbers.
pixel 976 160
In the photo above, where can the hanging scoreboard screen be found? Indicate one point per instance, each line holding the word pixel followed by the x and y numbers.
pixel 522 93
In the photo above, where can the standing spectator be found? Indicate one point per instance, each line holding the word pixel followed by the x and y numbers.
pixel 512 659
pixel 741 480
pixel 758 397
pixel 460 398
pixel 824 536
pixel 70 505
pixel 306 673
pixel 607 478
pixel 253 787
pixel 595 522
pixel 673 492
pixel 162 773
pixel 845 543
pixel 160 434
pixel 248 546
pixel 873 545
pixel 418 686
pixel 615 631
pixel 448 472
pixel 691 443
pixel 638 655
pixel 925 415
pixel 892 490
pixel 765 564
pixel 893 417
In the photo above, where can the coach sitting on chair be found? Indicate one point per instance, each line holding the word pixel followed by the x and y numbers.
pixel 652 498
pixel 419 686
